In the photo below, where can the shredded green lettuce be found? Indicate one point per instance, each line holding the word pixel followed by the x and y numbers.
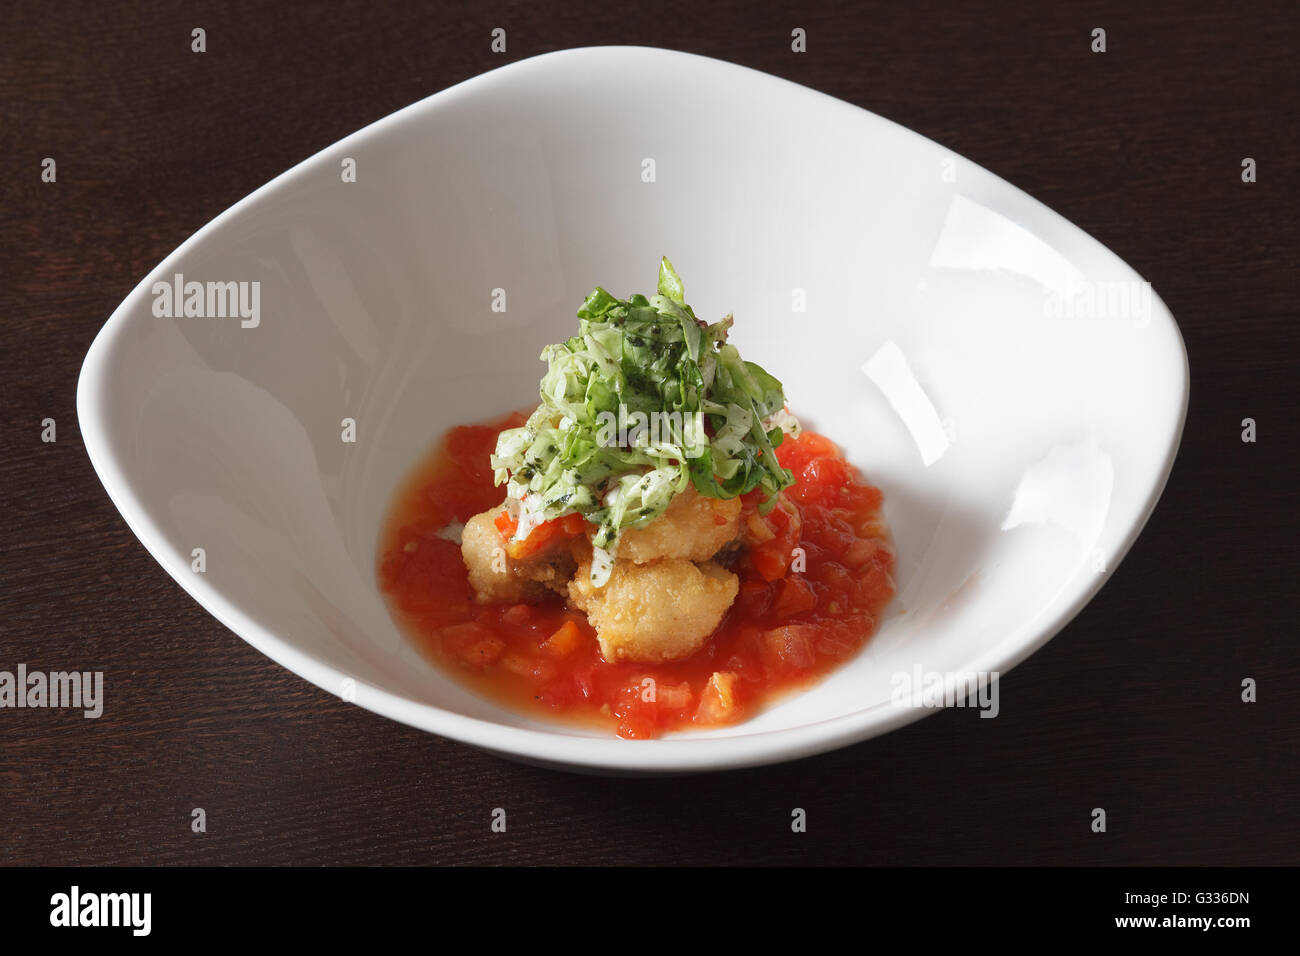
pixel 643 401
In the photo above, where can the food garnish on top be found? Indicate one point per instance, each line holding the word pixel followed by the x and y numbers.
pixel 623 486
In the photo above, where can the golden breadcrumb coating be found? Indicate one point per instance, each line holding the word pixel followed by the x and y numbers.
pixel 692 527
pixel 660 611
pixel 499 579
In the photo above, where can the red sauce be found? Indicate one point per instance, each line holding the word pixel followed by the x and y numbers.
pixel 792 622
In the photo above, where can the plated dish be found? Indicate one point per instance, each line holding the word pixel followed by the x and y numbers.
pixel 673 548
pixel 920 312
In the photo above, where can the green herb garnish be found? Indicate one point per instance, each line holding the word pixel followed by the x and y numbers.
pixel 642 401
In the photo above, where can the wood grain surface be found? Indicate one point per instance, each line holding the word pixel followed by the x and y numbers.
pixel 1134 707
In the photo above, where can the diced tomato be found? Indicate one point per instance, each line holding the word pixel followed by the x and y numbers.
pixel 754 597
pixel 874 586
pixel 794 596
pixel 674 697
pixel 567 639
pixel 720 702
pixel 795 453
pixel 636 726
pixel 769 562
pixel 473 644
pixel 861 498
pixel 518 615
pixel 525 665
pixel 772 549
pixel 790 622
pixel 860 551
pixel 790 647
pixel 838 582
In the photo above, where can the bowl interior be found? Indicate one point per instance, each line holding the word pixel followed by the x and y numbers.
pixel 968 348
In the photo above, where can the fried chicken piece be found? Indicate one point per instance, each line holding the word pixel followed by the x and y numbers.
pixel 498 578
pixel 693 527
pixel 660 611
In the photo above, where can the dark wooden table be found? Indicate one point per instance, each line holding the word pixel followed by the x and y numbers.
pixel 1134 707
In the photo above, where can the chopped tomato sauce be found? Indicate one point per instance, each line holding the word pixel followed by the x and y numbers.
pixel 811 593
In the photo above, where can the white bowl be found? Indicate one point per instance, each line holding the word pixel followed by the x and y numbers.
pixel 964 344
